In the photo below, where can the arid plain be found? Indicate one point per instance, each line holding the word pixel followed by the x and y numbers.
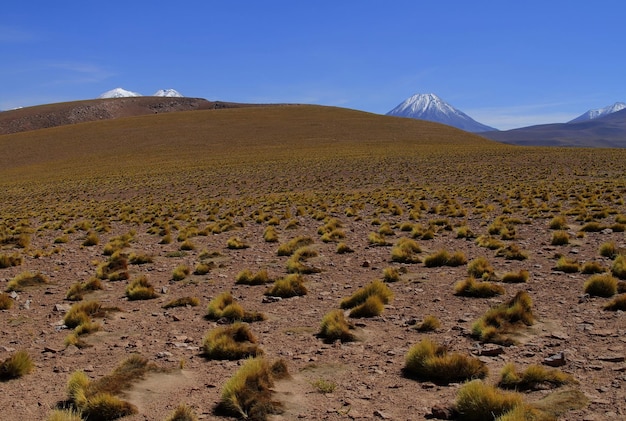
pixel 188 201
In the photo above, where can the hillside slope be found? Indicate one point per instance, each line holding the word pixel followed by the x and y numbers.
pixel 64 113
pixel 228 135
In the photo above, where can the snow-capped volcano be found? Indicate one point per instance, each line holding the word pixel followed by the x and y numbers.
pixel 118 93
pixel 432 108
pixel 599 112
pixel 171 93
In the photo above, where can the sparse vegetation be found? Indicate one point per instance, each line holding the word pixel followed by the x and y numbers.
pixel 10 260
pixel 15 366
pixel 567 265
pixel 231 342
pixel 499 321
pixel 180 272
pixel 618 268
pixel 25 280
pixel 182 302
pixel 534 377
pixel 246 277
pixel 140 289
pixel 290 286
pixel 477 401
pixel 6 302
pixel 470 287
pixel 248 394
pixel 601 285
pixel 482 269
pixel 335 327
pixel 405 251
pixel 78 290
pixel 182 413
pixel 516 277
pixel 225 307
pixel 429 361
pixel 560 238
pixel 374 288
pixel 429 324
pixel 290 247
pixel 444 258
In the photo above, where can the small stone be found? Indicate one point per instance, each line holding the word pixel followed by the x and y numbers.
pixel 61 308
pixel 89 369
pixel 556 360
pixel 442 412
pixel 612 358
pixel 365 264
pixel 381 414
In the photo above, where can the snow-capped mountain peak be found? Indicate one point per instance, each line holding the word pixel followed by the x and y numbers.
pixel 599 112
pixel 118 93
pixel 172 93
pixel 432 108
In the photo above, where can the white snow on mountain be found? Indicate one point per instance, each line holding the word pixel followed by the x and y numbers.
pixel 118 93
pixel 432 108
pixel 172 93
pixel 599 112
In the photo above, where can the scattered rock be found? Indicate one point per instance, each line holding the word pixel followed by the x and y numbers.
pixel 556 360
pixel 381 414
pixel 442 412
pixel 270 299
pixel 612 358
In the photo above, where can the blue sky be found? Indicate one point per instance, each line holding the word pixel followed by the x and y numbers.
pixel 506 64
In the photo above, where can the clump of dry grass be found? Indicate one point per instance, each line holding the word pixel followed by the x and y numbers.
pixel 115 269
pixel 140 288
pixel 91 239
pixel 64 415
pixel 567 265
pixel 246 277
pixel 601 285
pixel 10 260
pixel 429 361
pixel 376 239
pixel 180 272
pixel 590 268
pixel 405 251
pixel 334 327
pixel 429 324
pixel 6 302
pixel 290 286
pixel 26 279
pixel 202 268
pixel 139 258
pixel 391 274
pixel 78 290
pixel 470 287
pixel 183 302
pixel 560 238
pixel 295 264
pixel 512 252
pixel 230 342
pixel 498 321
pixel 482 269
pixel 270 235
pixel 294 244
pixel 97 400
pixel 236 243
pixel 535 377
pixel 559 222
pixel 248 394
pixel 489 242
pixel 516 277
pixel 444 258
pixel 372 306
pixel 477 401
pixel 618 268
pixel 617 303
pixel 225 307
pixel 182 413
pixel 343 248
pixel 15 366
pixel 374 288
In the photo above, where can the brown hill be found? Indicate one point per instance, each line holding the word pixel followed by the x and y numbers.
pixel 64 113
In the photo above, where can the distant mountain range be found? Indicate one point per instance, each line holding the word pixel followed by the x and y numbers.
pixel 123 93
pixel 599 112
pixel 432 108
pixel 608 130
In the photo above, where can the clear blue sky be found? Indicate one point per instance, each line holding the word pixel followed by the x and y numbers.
pixel 506 64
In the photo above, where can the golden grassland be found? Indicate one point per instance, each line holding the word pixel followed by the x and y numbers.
pixel 168 182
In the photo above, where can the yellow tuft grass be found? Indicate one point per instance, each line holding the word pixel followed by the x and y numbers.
pixel 231 342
